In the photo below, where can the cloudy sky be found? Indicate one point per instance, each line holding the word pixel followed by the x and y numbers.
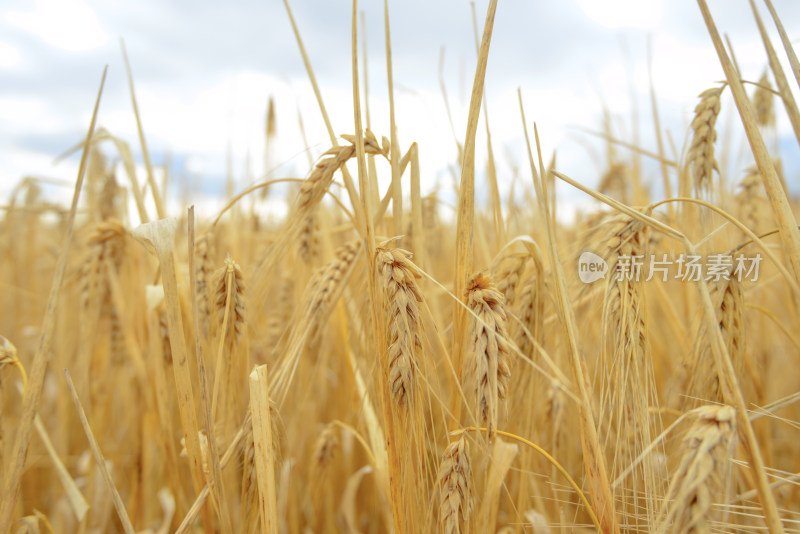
pixel 205 70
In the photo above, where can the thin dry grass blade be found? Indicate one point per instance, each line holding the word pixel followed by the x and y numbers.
pixel 101 462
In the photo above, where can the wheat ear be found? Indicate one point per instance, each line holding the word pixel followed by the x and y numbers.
pixel 507 274
pixel 313 188
pixel 455 485
pixel 104 240
pixel 763 101
pixel 308 246
pixel 750 200
pixel 202 251
pixel 325 283
pixel 398 276
pixel 701 151
pixel 616 181
pixel 230 284
pixel 324 449
pixel 701 478
pixel 230 311
pixel 488 358
pixel 729 300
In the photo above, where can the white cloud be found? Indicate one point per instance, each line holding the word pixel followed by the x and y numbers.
pixel 22 113
pixel 69 25
pixel 10 56
pixel 623 13
pixel 21 164
pixel 203 78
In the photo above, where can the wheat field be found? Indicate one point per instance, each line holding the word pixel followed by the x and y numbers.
pixel 366 365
